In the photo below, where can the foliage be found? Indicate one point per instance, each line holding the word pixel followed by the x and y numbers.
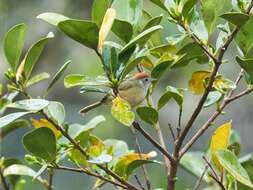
pixel 136 51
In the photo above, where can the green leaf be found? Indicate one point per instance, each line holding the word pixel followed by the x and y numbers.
pixel 18 169
pixel 5 120
pixel 58 75
pixel 13 126
pixel 102 159
pixel 121 111
pixel 123 29
pixel 86 89
pixel 153 22
pixel 160 4
pixel 110 57
pixel 119 148
pixel 246 64
pixel 236 18
pixel 212 98
pixel 230 162
pixel 98 10
pixel 161 68
pixel 187 7
pixel 82 31
pixel 234 142
pixel 190 52
pixel 13 44
pixel 37 78
pixel 77 129
pixel 56 111
pixel 211 10
pixel 142 38
pixel 83 80
pixel 171 92
pixel 137 164
pixel 244 38
pixel 148 114
pixel 33 105
pixel 52 18
pixel 192 159
pixel 129 10
pixel 34 53
pixel 41 142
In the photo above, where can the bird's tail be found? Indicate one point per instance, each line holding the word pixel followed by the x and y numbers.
pixel 94 105
pixel 90 107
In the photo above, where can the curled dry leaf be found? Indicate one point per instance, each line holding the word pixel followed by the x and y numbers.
pixel 106 27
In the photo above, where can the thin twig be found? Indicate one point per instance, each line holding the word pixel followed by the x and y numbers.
pixel 211 167
pixel 51 177
pixel 139 182
pixel 153 141
pixel 172 132
pixel 198 183
pixel 5 185
pixel 81 170
pixel 144 169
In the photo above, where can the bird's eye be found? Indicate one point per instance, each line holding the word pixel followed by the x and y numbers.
pixel 146 79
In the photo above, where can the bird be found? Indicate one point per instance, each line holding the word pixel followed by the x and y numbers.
pixel 132 90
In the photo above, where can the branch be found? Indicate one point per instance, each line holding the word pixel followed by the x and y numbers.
pixel 51 176
pixel 153 141
pixel 211 120
pixel 81 170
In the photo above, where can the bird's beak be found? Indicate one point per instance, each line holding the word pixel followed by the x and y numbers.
pixel 153 80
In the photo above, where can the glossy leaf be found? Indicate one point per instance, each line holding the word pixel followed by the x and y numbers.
pixel 56 111
pixel 247 163
pixel 45 123
pixel 118 148
pixel 110 57
pixel 41 142
pixel 236 18
pixel 99 9
pixel 58 75
pixel 33 105
pixel 212 98
pixel 83 80
pixel 171 92
pixel 86 89
pixel 141 38
pixel 102 159
pixel 82 31
pixel 18 169
pixel 13 126
pixel 37 78
pixel 211 12
pixel 121 111
pixel 153 22
pixel 246 64
pixel 187 7
pixel 52 18
pixel 77 129
pixel 161 68
pixel 244 38
pixel 34 53
pixel 189 162
pixel 123 29
pixel 196 82
pixel 160 4
pixel 13 44
pixel 232 165
pixel 148 114
pixel 128 10
pixel 219 141
pixel 106 27
pixel 6 120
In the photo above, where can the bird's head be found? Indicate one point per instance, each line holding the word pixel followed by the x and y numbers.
pixel 144 78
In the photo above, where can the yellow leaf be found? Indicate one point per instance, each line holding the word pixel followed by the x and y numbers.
pixel 20 70
pixel 106 27
pixel 196 83
pixel 46 123
pixel 219 141
pixel 121 110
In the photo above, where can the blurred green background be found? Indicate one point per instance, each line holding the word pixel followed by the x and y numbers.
pixel 84 61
